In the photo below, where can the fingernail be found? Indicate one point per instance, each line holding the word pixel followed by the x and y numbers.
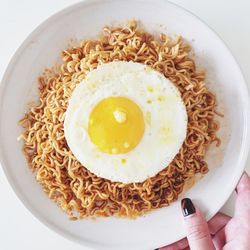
pixel 187 207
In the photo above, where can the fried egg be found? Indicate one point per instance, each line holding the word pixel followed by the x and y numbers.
pixel 125 122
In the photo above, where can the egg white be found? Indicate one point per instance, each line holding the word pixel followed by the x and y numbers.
pixel 164 113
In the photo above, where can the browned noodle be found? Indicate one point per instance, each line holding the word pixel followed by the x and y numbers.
pixel 78 191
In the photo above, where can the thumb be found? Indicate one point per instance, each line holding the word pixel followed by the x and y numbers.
pixel 198 234
pixel 242 205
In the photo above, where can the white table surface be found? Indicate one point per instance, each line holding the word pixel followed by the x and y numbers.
pixel 18 228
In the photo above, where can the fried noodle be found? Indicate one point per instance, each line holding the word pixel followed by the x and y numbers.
pixel 74 188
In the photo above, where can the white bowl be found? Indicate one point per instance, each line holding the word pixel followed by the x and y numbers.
pixel 85 20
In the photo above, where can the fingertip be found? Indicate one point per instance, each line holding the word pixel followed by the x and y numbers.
pixel 244 183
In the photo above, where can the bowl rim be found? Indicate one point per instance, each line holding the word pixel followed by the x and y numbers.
pixel 18 52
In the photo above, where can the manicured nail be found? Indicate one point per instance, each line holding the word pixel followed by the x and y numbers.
pixel 187 207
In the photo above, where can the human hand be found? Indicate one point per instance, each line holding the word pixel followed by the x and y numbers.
pixel 221 232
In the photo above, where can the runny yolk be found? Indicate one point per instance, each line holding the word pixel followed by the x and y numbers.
pixel 116 125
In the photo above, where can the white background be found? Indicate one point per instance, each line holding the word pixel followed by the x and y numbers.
pixel 18 228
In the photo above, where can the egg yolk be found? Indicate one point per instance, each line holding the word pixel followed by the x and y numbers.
pixel 116 125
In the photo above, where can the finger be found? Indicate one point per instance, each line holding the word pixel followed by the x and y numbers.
pixel 179 245
pixel 242 205
pixel 219 239
pixel 198 234
pixel 244 183
pixel 217 222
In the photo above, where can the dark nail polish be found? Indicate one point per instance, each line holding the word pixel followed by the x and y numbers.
pixel 187 207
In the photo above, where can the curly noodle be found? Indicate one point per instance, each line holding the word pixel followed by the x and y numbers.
pixel 75 189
